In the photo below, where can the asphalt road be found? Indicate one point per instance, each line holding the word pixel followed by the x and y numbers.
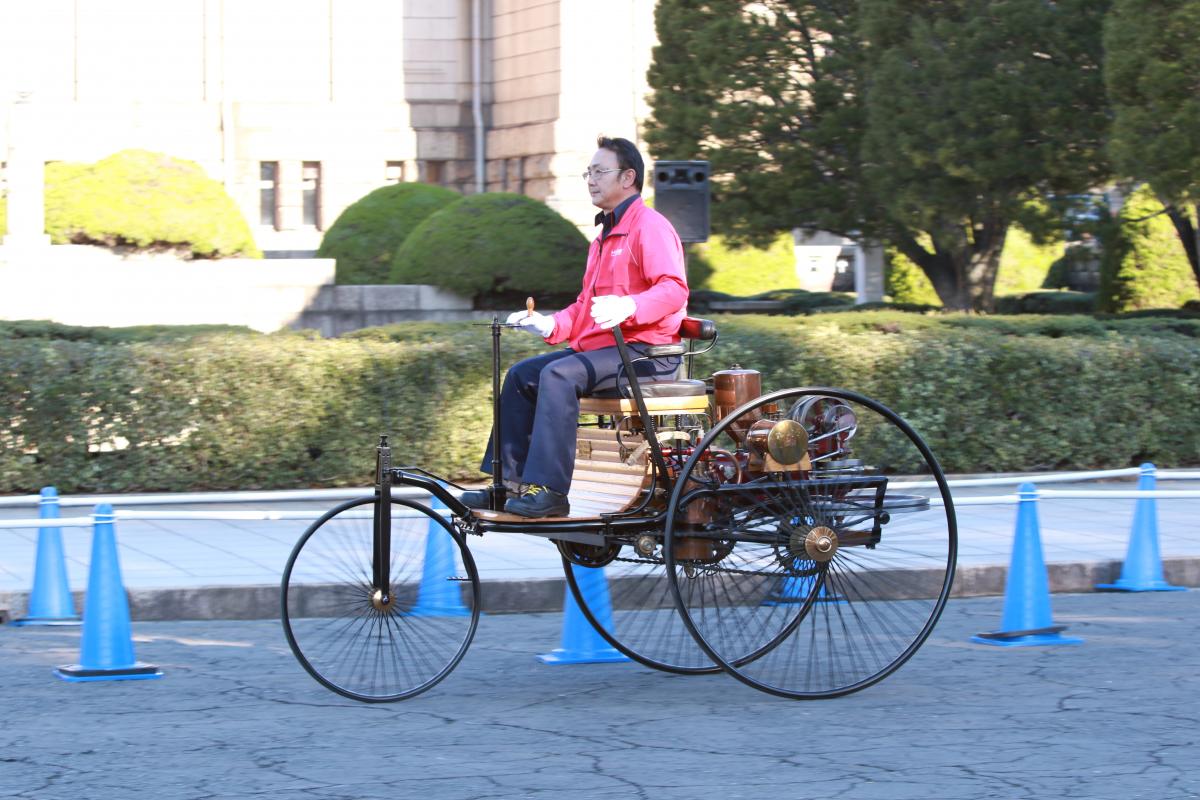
pixel 236 717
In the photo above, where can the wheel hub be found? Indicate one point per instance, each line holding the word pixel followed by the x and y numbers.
pixel 381 601
pixel 646 545
pixel 820 543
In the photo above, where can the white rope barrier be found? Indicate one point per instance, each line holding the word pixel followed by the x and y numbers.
pixel 299 495
pixel 86 522
pixel 413 493
pixel 281 496
pixel 1075 494
pixel 1012 480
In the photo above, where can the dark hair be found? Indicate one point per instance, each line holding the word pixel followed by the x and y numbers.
pixel 628 156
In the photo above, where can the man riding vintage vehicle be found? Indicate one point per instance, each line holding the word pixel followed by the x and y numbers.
pixel 802 540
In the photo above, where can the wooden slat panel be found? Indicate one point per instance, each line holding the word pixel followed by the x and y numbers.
pixel 621 479
pixel 609 466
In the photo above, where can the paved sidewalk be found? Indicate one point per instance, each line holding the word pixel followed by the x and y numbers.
pixel 1084 542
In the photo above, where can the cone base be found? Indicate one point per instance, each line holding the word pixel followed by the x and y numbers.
pixel 793 601
pixel 138 672
pixel 439 611
pixel 1029 640
pixel 30 621
pixel 1139 586
pixel 561 656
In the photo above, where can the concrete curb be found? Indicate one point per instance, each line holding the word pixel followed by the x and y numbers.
pixel 540 595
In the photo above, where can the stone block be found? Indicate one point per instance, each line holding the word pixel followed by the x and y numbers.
pixel 431 297
pixel 390 298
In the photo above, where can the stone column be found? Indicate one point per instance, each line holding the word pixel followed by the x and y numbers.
pixel 25 174
pixel 868 273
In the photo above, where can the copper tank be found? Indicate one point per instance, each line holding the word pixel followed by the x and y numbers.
pixel 731 388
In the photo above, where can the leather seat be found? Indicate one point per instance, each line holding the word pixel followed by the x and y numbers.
pixel 677 388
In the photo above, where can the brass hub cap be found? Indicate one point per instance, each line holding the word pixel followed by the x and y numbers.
pixel 820 544
pixel 381 601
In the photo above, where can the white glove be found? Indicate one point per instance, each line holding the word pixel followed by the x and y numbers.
pixel 611 310
pixel 534 323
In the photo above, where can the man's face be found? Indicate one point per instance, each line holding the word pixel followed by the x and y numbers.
pixel 608 188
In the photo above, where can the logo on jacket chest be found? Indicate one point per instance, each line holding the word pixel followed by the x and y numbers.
pixel 617 252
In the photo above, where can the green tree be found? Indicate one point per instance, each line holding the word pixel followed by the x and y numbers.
pixel 1143 266
pixel 900 121
pixel 1152 70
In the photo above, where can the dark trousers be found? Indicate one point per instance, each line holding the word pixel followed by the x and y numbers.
pixel 539 409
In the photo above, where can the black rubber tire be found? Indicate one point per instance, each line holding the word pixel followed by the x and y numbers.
pixel 792 625
pixel 346 643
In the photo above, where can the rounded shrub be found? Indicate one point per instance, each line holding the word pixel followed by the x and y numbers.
pixel 145 200
pixel 1144 264
pixel 365 237
pixel 492 245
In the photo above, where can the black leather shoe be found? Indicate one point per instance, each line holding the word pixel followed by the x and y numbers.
pixel 538 501
pixel 477 498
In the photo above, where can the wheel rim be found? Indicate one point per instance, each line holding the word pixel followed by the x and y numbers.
pixel 801 606
pixel 358 643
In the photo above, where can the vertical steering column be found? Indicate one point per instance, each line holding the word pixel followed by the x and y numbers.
pixel 498 491
pixel 381 577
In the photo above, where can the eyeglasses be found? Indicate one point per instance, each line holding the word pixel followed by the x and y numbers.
pixel 588 174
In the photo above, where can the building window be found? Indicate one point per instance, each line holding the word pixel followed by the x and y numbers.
pixel 268 194
pixel 435 173
pixel 310 182
pixel 393 172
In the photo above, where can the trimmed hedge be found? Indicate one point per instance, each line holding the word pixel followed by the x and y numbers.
pixel 365 237
pixel 145 200
pixel 494 244
pixel 244 410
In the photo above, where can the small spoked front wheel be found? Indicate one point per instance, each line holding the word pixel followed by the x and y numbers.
pixel 810 542
pixel 371 645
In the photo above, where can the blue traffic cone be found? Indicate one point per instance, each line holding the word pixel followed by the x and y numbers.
pixel 106 649
pixel 581 644
pixel 1027 620
pixel 50 600
pixel 793 590
pixel 1142 570
pixel 438 595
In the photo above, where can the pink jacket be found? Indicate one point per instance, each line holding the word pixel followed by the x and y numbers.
pixel 643 258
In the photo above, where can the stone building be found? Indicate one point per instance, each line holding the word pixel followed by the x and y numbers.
pixel 302 106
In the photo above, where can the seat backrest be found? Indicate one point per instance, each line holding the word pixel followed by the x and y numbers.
pixel 696 328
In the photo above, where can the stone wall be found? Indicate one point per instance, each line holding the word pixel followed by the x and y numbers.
pixel 82 285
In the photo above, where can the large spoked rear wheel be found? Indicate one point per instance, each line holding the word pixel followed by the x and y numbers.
pixel 810 542
pixel 353 641
pixel 629 603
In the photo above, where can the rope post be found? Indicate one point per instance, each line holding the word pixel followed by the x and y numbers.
pixel 1142 570
pixel 106 646
pixel 50 601
pixel 1027 619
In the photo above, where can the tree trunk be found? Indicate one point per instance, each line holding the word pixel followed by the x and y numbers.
pixel 961 269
